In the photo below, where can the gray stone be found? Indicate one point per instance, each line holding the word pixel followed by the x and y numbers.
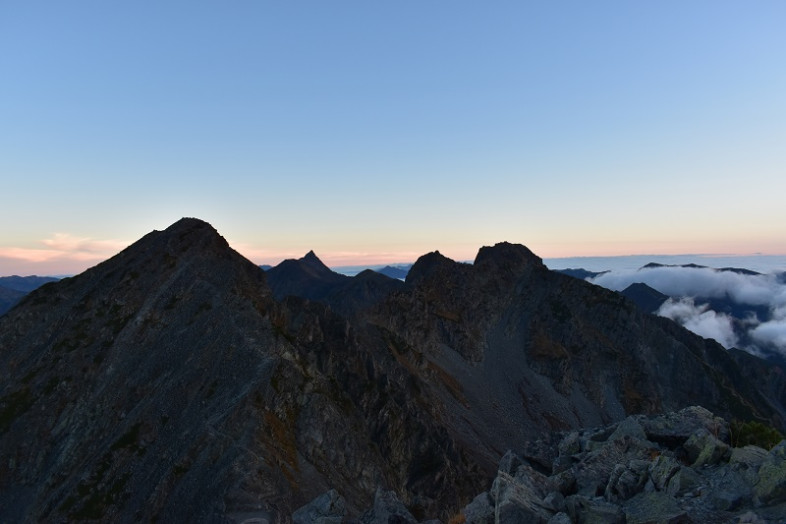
pixel 684 481
pixel 510 463
pixel 653 507
pixel 328 508
pixel 554 501
pixel 749 455
pixel 727 490
pixel 570 445
pixel 520 498
pixel 560 518
pixel 388 509
pixel 703 448
pixel 661 471
pixel 630 427
pixel 779 450
pixel 480 510
pixel 673 429
pixel 771 487
pixel 585 510
pixel 625 482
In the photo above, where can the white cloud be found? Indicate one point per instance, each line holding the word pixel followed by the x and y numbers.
pixel 701 320
pixel 699 282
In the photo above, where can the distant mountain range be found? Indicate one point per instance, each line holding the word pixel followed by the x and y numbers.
pixel 178 381
pixel 13 288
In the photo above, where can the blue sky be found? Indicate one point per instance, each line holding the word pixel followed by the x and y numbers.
pixel 378 131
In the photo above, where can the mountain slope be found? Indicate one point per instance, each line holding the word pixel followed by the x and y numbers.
pixel 168 383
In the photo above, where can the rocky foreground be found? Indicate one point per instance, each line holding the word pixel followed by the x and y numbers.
pixel 674 468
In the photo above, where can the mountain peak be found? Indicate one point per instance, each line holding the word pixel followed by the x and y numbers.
pixel 505 255
pixel 428 265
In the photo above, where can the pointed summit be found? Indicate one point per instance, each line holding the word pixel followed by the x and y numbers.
pixel 306 277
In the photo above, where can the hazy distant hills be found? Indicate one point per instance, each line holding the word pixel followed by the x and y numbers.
pixel 178 381
pixel 13 288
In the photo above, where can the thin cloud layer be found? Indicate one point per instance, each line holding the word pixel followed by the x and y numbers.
pixel 62 253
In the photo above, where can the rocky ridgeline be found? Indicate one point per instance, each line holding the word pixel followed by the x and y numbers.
pixel 673 468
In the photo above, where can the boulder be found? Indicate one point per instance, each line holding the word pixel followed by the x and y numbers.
pixel 661 470
pixel 673 429
pixel 657 506
pixel 704 448
pixel 480 510
pixel 587 510
pixel 388 509
pixel 328 508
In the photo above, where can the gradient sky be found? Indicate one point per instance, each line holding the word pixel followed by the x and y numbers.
pixel 378 131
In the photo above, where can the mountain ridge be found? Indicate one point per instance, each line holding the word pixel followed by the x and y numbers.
pixel 171 382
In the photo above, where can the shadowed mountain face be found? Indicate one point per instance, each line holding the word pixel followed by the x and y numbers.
pixel 647 298
pixel 309 278
pixel 179 381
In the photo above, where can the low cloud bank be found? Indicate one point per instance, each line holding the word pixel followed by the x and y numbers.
pixel 696 291
pixel 701 320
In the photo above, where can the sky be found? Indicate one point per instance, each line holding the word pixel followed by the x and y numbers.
pixel 374 132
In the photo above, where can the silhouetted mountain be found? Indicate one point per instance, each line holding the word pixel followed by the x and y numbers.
pixel 8 298
pixel 305 277
pixel 13 288
pixel 580 273
pixel 168 383
pixel 647 298
pixel 310 278
pixel 739 270
pixel 394 272
pixel 25 284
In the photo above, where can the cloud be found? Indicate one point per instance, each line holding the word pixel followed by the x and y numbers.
pixel 62 253
pixel 700 282
pixel 688 287
pixel 701 320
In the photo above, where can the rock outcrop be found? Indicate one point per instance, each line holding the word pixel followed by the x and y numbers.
pixel 673 468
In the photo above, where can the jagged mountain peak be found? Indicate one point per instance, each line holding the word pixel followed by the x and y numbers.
pixel 505 255
pixel 428 265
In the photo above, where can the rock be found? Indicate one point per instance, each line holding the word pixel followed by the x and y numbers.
pixel 661 470
pixel 560 518
pixel 328 508
pixel 684 481
pixel 388 509
pixel 673 429
pixel 630 427
pixel 771 487
pixel 520 498
pixel 570 445
pixel 592 510
pixel 750 456
pixel 626 481
pixel 480 510
pixel 727 490
pixel 704 448
pixel 653 507
pixel 779 451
